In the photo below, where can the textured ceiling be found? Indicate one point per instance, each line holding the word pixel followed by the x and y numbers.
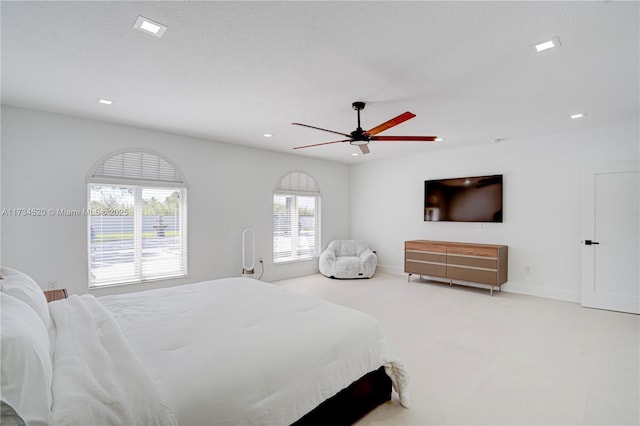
pixel 232 71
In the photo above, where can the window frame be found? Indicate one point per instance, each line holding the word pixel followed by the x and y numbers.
pixel 139 177
pixel 297 184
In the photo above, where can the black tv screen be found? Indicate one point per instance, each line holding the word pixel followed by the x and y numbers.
pixel 467 199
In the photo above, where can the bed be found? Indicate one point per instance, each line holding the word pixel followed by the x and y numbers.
pixel 232 351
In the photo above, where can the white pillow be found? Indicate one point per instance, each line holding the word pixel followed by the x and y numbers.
pixel 26 368
pixel 22 286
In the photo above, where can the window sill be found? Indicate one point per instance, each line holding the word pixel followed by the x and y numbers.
pixel 290 261
pixel 145 281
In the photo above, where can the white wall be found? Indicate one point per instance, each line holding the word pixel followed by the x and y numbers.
pixel 45 159
pixel 542 203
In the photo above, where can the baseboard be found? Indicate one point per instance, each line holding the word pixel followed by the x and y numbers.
pixel 390 269
pixel 548 293
pixel 511 287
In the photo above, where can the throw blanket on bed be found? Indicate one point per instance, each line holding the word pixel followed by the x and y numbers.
pixel 97 378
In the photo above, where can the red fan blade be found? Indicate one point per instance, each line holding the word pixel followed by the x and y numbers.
pixel 323 143
pixel 404 138
pixel 364 149
pixel 393 122
pixel 319 128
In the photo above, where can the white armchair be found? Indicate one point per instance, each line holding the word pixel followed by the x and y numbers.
pixel 348 259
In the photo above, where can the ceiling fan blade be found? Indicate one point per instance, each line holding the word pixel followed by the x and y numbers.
pixel 364 149
pixel 319 128
pixel 404 138
pixel 323 143
pixel 393 122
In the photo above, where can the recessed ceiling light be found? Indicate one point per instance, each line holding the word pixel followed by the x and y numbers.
pixel 267 135
pixel 546 45
pixel 439 139
pixel 579 115
pixel 104 101
pixel 355 154
pixel 150 27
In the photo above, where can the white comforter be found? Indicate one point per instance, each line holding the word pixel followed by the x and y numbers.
pixel 239 351
pixel 97 378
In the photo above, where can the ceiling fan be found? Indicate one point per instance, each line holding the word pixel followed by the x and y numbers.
pixel 361 138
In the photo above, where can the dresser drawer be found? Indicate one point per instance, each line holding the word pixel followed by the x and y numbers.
pixel 425 268
pixel 473 251
pixel 470 274
pixel 429 246
pixel 476 262
pixel 425 256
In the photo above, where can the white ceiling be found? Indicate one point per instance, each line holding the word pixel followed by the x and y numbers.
pixel 232 71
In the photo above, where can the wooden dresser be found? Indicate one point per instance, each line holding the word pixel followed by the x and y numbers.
pixel 478 263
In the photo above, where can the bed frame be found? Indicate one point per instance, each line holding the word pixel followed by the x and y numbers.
pixel 352 403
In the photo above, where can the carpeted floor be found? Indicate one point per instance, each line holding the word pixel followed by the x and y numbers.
pixel 509 359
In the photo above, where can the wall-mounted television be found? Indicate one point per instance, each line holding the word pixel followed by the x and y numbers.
pixel 465 199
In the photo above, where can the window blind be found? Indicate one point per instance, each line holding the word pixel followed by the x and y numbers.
pixel 298 182
pixel 138 165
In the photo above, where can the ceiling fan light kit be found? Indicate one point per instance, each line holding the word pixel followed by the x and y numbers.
pixel 361 138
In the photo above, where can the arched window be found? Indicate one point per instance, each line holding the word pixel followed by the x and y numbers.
pixel 296 218
pixel 137 219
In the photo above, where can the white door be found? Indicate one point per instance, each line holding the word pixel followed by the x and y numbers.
pixel 611 237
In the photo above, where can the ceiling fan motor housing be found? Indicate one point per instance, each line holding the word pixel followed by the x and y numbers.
pixel 358 105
